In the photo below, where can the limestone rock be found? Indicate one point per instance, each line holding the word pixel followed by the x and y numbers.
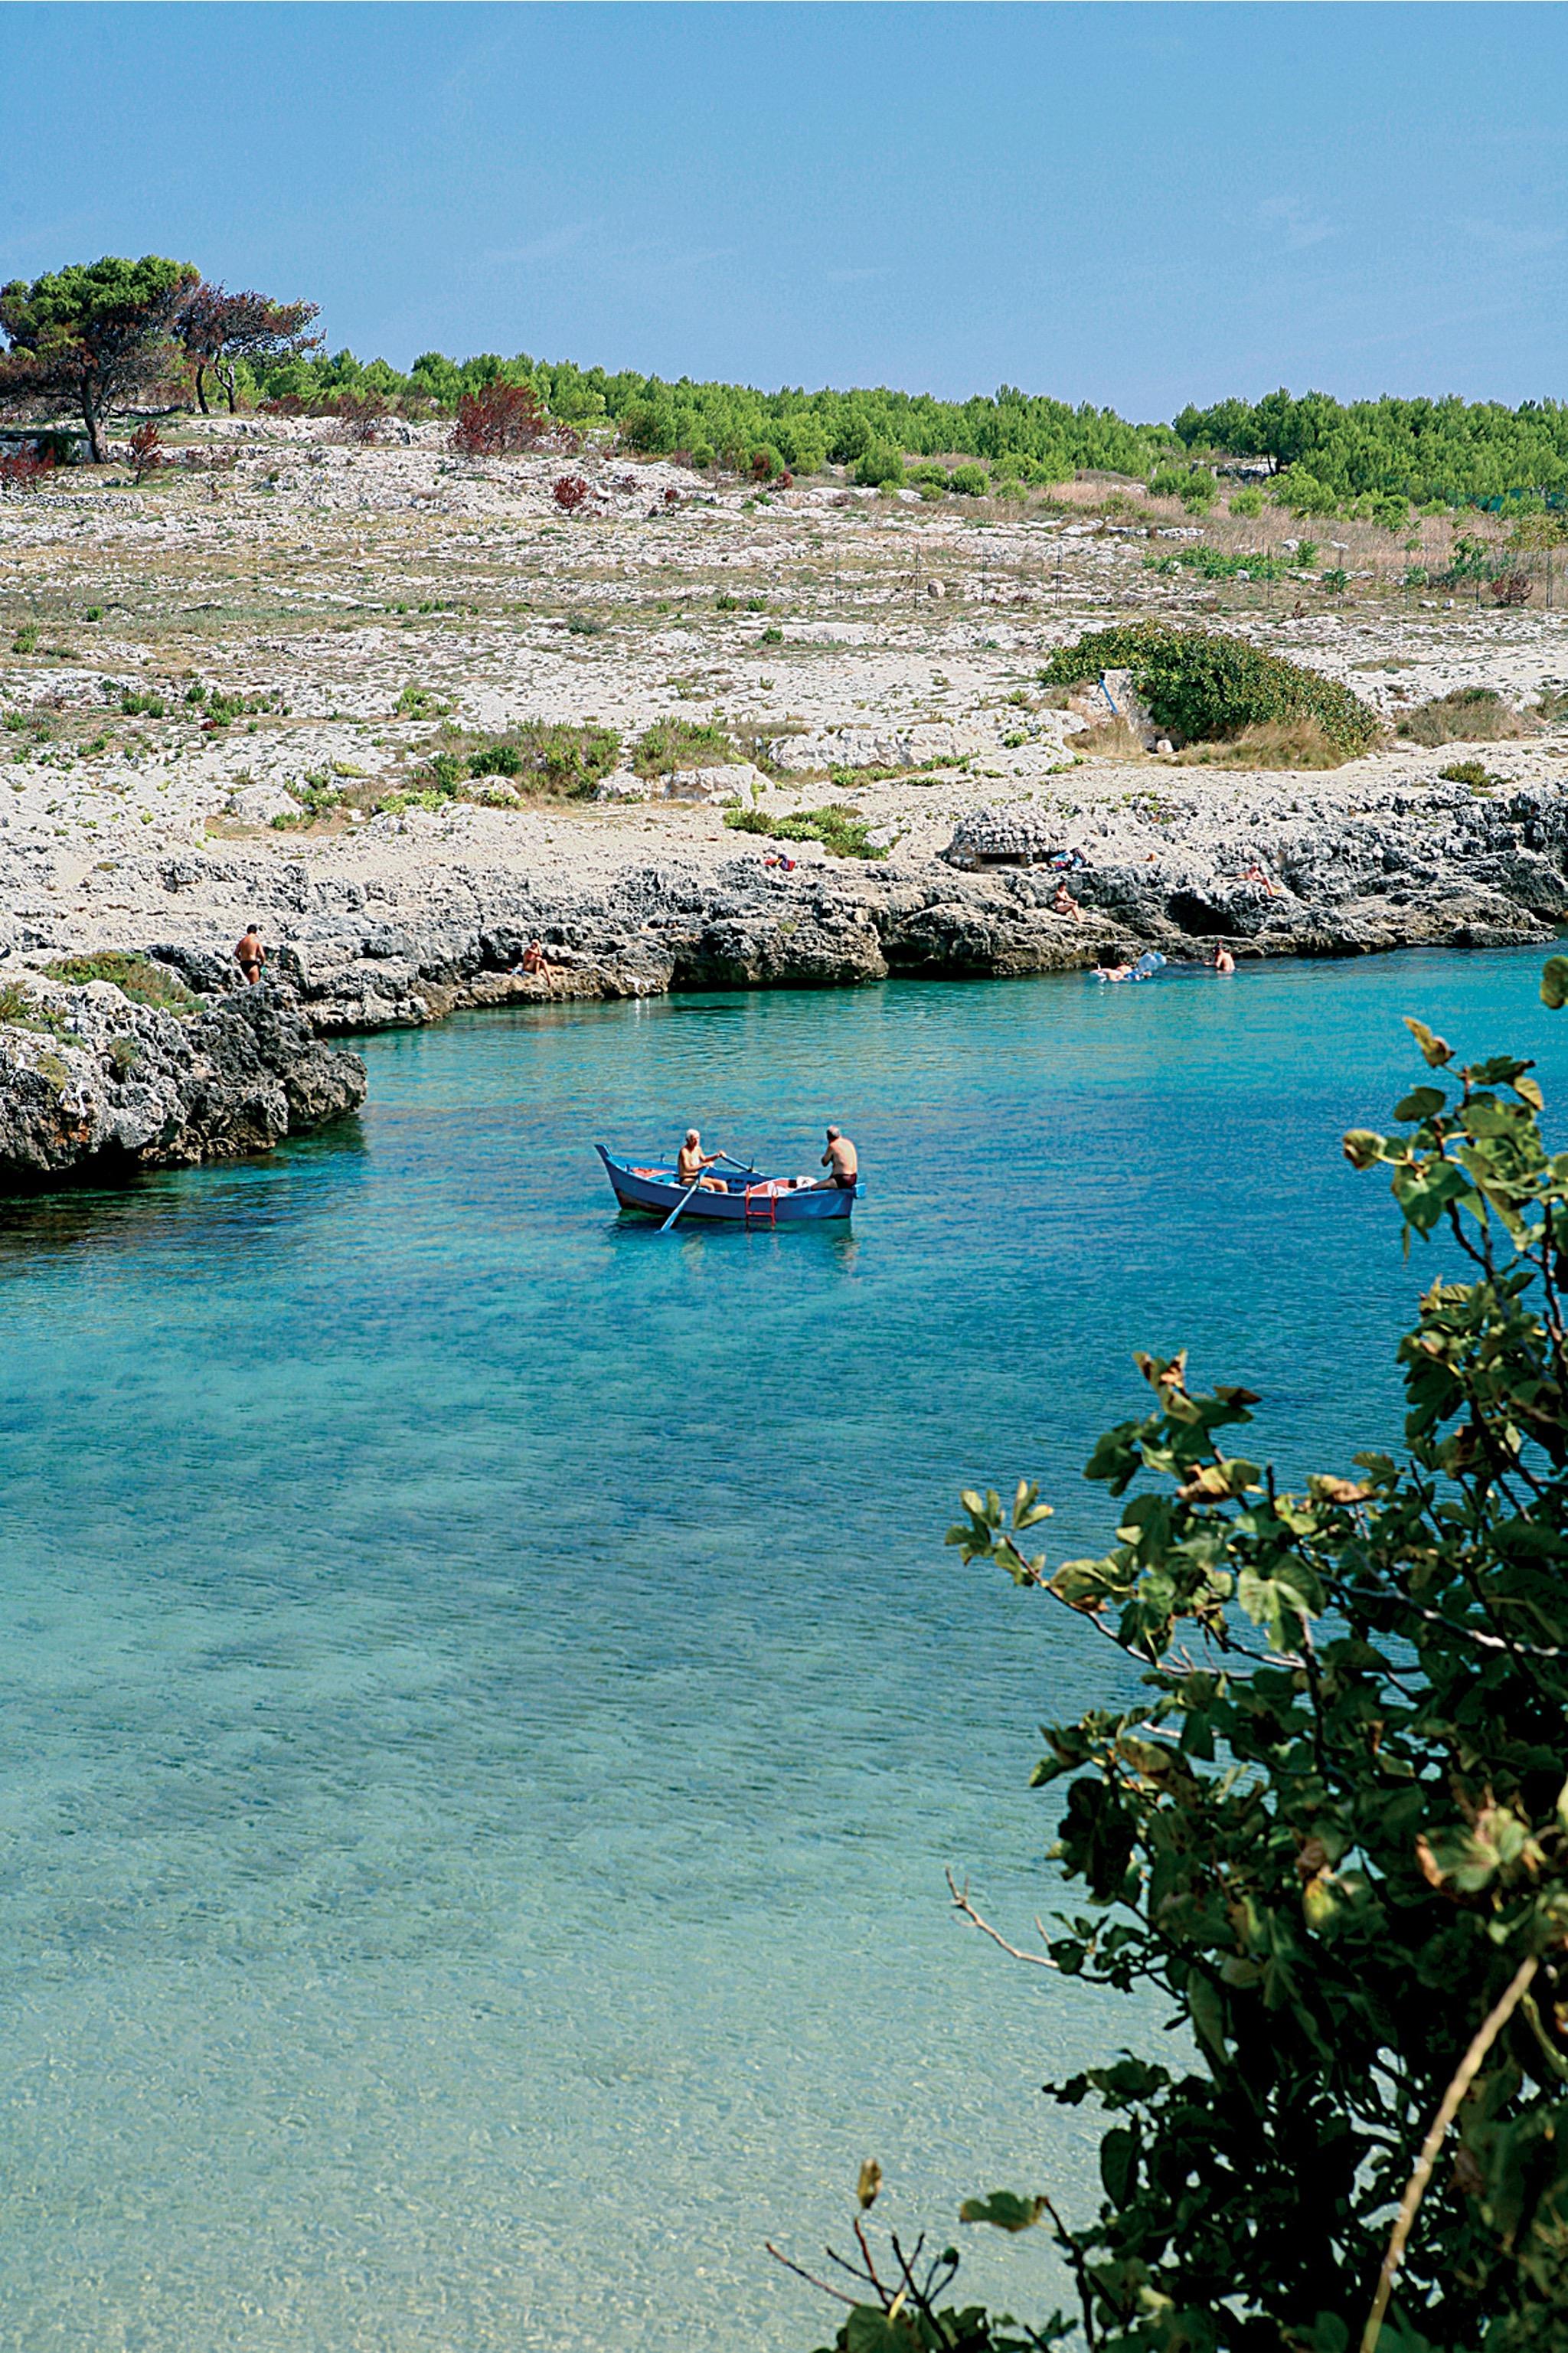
pixel 89 1080
pixel 259 803
pixel 923 743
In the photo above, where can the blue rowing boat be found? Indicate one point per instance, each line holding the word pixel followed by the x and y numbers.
pixel 747 1199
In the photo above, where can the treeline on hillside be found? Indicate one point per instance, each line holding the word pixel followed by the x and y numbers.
pixel 101 335
pixel 1459 452
pixel 1449 452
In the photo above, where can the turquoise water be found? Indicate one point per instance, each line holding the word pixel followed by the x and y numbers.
pixel 486 1704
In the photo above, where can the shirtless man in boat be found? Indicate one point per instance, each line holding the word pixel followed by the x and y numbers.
pixel 842 1161
pixel 692 1160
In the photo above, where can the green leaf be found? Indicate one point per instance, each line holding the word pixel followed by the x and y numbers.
pixel 1435 1050
pixel 1004 2209
pixel 1421 1103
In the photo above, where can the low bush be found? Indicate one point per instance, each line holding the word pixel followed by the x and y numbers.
pixel 1203 686
pixel 570 492
pixel 136 976
pixel 24 470
pixel 672 744
pixel 1473 773
pixel 1216 564
pixel 1511 588
pixel 137 705
pixel 968 482
pixel 842 832
pixel 498 419
pixel 26 640
pixel 1302 494
pixel 540 757
pixel 1247 503
pixel 878 466
pixel 1470 714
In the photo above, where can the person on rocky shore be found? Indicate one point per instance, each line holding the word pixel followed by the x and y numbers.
pixel 842 1162
pixel 249 955
pixel 1222 959
pixel 1064 903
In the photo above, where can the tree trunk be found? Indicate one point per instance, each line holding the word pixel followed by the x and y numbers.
pixel 226 376
pixel 90 418
pixel 202 387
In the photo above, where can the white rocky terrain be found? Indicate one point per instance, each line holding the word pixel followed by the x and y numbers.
pixel 209 682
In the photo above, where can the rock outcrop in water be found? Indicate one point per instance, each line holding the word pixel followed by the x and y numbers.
pixel 89 1080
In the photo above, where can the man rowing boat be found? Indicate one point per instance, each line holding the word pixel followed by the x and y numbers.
pixel 692 1160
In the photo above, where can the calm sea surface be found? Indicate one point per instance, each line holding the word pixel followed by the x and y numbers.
pixel 486 1705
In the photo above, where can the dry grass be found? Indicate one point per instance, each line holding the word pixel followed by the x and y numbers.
pixel 1114 740
pixel 1470 714
pixel 1293 744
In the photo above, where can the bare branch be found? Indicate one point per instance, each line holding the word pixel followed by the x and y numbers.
pixel 961 1904
pixel 810 2277
pixel 1468 2068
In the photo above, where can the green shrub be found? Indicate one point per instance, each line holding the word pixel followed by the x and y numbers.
pixel 26 640
pixel 1200 493
pixel 1216 564
pixel 878 466
pixel 124 1053
pixel 1470 714
pixel 496 760
pixel 1306 553
pixel 1303 494
pixel 1336 580
pixel 1473 773
pixel 968 482
pixel 1202 685
pixel 142 706
pixel 842 832
pixel 671 745
pixel 1247 503
pixel 136 976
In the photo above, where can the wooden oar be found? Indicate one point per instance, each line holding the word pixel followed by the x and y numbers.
pixel 679 1206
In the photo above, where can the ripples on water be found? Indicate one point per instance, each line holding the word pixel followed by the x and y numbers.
pixel 487 1705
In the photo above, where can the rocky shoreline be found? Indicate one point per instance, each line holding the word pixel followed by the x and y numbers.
pixel 1272 868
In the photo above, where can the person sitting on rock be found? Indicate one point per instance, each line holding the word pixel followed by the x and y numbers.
pixel 1064 903
pixel 1254 873
pixel 535 962
pixel 692 1160
pixel 249 955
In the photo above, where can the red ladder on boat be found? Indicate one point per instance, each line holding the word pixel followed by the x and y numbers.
pixel 762 1207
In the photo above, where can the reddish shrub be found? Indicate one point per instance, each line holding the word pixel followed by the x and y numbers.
pixel 502 417
pixel 147 452
pixel 1511 588
pixel 360 415
pixel 24 470
pixel 570 492
pixel 672 496
pixel 288 404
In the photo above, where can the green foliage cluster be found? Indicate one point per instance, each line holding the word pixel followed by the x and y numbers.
pixel 1450 451
pixel 1216 564
pixel 672 744
pixel 136 976
pixel 844 831
pixel 1203 685
pixel 1327 1826
pixel 551 757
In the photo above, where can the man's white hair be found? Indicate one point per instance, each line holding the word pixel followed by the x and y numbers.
pixel 693 1136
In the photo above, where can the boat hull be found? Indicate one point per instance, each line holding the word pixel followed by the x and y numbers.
pixel 654 1192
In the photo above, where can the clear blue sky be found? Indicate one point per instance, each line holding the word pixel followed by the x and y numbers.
pixel 1130 205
